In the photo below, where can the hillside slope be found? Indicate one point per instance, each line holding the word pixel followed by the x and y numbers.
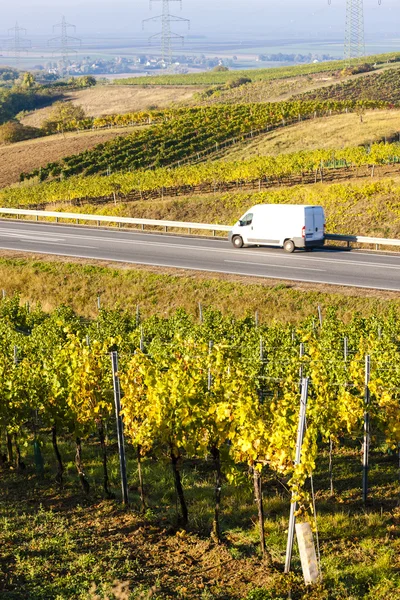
pixel 109 100
pixel 382 85
pixel 338 131
pixel 32 154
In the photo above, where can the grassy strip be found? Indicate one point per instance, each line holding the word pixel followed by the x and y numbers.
pixel 54 281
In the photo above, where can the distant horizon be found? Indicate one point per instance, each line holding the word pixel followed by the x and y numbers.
pixel 250 27
pixel 238 17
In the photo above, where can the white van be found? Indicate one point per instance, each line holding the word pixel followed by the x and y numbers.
pixel 289 226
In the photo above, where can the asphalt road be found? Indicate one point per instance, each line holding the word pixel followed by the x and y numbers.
pixel 336 267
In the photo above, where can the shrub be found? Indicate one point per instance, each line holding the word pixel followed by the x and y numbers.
pixel 234 83
pixel 13 131
pixel 354 70
pixel 86 81
pixel 63 115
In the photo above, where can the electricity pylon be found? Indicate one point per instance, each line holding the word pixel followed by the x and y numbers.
pixel 354 42
pixel 166 34
pixel 17 44
pixel 64 41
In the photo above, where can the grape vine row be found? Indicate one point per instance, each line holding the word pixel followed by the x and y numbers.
pixel 209 176
pixel 186 133
pixel 222 387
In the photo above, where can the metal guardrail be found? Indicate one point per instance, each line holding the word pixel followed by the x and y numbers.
pixel 77 217
pixel 359 239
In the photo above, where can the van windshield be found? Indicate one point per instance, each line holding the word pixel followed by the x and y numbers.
pixel 246 220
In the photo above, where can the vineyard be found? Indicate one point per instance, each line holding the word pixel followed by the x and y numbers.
pixel 257 172
pixel 145 117
pixel 383 86
pixel 240 91
pixel 212 393
pixel 189 132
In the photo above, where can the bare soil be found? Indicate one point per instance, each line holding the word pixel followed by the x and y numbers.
pixel 31 154
pixel 118 99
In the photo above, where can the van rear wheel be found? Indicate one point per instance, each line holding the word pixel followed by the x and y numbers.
pixel 237 241
pixel 289 246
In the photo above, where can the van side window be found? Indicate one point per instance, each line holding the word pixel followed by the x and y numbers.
pixel 247 220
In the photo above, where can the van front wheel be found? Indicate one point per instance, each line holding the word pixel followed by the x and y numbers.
pixel 289 246
pixel 237 242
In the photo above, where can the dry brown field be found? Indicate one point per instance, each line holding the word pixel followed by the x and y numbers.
pixel 338 131
pixel 32 154
pixel 118 99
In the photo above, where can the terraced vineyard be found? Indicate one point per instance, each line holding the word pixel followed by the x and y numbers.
pixel 383 86
pixel 189 132
pixel 261 171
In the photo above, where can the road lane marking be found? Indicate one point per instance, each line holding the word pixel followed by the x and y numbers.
pixel 239 262
pixel 68 245
pixel 35 238
pixel 53 243
pixel 259 254
pixel 154 234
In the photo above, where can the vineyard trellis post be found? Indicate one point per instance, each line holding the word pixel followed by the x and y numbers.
pixel 331 488
pixel 209 376
pixel 367 399
pixel 120 427
pixel 321 322
pixel 257 474
pixel 301 373
pixel 299 444
pixel 137 315
pixel 141 343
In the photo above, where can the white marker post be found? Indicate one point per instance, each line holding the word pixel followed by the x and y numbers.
pixel 299 444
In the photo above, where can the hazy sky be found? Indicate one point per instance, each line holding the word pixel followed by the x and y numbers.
pixel 281 18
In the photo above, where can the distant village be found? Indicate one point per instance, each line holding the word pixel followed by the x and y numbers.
pixel 147 63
